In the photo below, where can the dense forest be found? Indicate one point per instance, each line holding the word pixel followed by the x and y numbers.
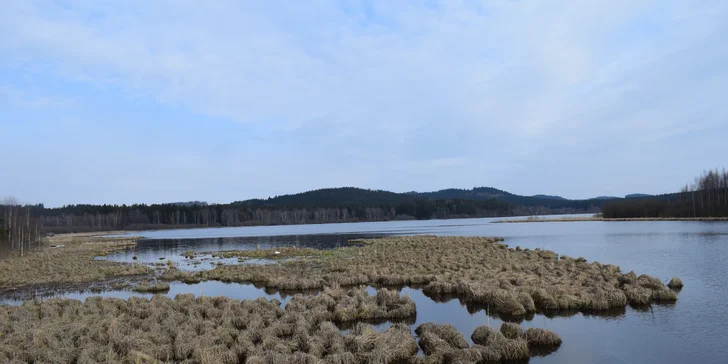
pixel 706 197
pixel 330 205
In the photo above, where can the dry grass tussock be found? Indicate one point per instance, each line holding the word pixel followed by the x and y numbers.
pixel 675 283
pixel 443 344
pixel 510 282
pixel 206 330
pixel 146 287
pixel 73 263
pixel 277 253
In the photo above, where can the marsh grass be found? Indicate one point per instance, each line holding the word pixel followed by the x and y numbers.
pixel 146 287
pixel 537 337
pixel 675 283
pixel 201 330
pixel 71 264
pixel 511 330
pixel 444 345
pixel 277 253
pixel 512 283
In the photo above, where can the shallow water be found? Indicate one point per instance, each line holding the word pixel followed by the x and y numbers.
pixel 690 331
pixel 208 288
pixel 160 250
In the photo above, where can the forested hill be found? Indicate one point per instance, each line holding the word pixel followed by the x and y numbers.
pixel 331 197
pixel 346 204
pixel 484 193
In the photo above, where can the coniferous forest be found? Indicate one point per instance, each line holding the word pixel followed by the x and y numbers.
pixel 706 197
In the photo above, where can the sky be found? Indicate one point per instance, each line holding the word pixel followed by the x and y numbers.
pixel 164 101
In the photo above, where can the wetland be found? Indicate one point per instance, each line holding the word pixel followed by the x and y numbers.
pixel 572 279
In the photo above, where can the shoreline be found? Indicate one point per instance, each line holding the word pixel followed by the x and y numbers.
pixel 121 233
pixel 603 219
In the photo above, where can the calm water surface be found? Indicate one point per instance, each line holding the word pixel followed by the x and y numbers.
pixel 691 331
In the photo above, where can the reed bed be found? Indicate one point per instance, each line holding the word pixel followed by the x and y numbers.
pixel 72 264
pixel 511 283
pixel 283 252
pixel 223 330
pixel 146 287
pixel 204 330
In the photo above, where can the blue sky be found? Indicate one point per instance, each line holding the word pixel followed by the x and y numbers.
pixel 159 101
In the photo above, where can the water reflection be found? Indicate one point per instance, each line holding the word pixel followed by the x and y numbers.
pixel 156 252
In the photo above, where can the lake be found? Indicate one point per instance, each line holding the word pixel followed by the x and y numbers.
pixel 692 330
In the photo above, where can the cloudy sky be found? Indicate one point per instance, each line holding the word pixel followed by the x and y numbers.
pixel 158 101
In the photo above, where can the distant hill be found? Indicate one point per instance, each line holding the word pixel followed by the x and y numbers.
pixel 606 198
pixel 548 197
pixel 638 195
pixel 331 197
pixel 352 196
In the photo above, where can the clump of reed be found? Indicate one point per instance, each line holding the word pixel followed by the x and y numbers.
pixel 511 330
pixel 512 343
pixel 541 338
pixel 354 305
pixel 392 346
pixel 439 338
pixel 675 283
pixel 443 344
pixel 146 287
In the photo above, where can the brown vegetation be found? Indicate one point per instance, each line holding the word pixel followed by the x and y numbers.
pixel 543 338
pixel 146 287
pixel 511 330
pixel 203 330
pixel 443 344
pixel 675 283
pixel 509 282
pixel 72 263
pixel 283 252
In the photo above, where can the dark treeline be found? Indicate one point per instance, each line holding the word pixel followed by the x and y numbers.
pixel 320 206
pixel 551 203
pixel 19 227
pixel 706 197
